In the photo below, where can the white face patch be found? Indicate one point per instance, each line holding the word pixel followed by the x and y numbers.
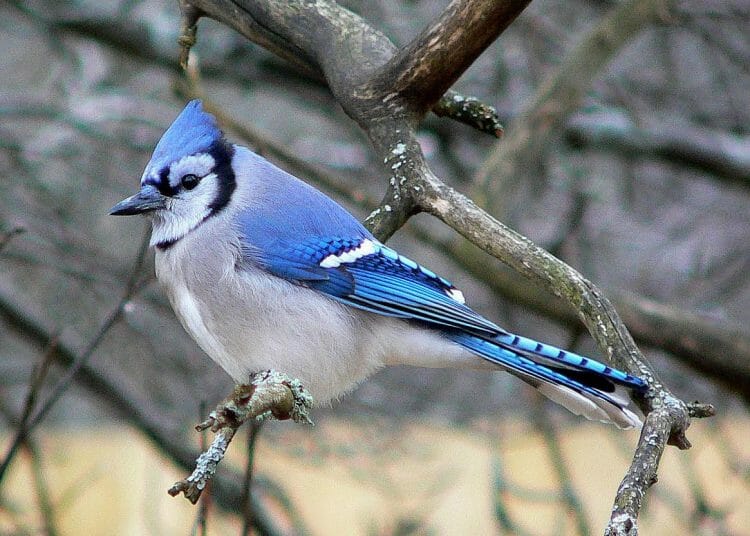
pixel 196 164
pixel 184 212
pixel 367 247
pixel 188 208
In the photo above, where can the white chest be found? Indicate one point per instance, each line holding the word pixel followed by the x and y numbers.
pixel 193 311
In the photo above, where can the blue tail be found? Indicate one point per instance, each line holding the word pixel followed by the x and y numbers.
pixel 584 386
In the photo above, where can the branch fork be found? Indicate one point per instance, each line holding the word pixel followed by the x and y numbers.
pixel 269 394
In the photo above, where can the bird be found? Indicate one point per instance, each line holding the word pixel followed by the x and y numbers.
pixel 266 272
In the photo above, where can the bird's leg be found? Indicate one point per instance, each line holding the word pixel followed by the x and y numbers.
pixel 269 394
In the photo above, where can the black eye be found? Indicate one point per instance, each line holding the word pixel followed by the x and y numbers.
pixel 190 181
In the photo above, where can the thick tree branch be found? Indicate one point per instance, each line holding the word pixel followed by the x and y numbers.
pixel 330 43
pixel 422 71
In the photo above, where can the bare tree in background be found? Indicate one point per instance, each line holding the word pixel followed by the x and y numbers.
pixel 389 91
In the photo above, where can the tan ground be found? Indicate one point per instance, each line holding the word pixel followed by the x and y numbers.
pixel 350 478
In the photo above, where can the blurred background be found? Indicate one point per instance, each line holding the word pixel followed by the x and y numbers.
pixel 645 190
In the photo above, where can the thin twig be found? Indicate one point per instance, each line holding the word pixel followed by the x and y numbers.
pixel 64 383
pixel 200 527
pixel 470 111
pixel 36 382
pixel 46 507
pixel 7 236
pixel 502 513
pixel 253 432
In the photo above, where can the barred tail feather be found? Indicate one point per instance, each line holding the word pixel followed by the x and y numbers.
pixel 583 386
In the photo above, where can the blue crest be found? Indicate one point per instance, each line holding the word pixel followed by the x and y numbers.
pixel 193 131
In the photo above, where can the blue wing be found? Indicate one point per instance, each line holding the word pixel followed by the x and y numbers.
pixel 365 274
pixel 297 233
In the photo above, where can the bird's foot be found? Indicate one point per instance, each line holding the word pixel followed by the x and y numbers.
pixel 276 393
pixel 269 394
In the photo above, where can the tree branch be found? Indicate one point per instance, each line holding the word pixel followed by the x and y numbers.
pixel 555 276
pixel 422 71
pixel 268 393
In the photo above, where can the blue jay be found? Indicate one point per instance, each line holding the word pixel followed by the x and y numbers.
pixel 266 272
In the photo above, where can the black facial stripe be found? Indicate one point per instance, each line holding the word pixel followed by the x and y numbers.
pixel 222 153
pixel 162 183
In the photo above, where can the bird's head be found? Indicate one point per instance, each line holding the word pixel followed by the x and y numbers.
pixel 188 179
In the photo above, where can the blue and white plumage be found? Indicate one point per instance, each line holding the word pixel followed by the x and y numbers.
pixel 265 272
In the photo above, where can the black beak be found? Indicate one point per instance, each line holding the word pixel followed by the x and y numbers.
pixel 147 200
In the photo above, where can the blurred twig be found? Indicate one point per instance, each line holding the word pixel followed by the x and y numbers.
pixel 47 509
pixel 573 503
pixel 723 155
pixel 253 432
pixel 30 420
pixel 7 236
pixel 703 511
pixel 499 490
pixel 36 382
